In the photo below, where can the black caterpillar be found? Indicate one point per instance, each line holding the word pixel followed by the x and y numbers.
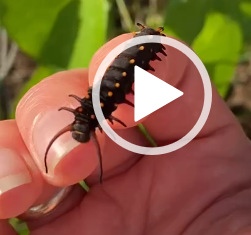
pixel 116 84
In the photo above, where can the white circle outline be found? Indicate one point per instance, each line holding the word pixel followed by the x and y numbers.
pixel 207 95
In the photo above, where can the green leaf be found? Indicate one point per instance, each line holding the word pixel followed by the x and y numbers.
pixel 57 33
pixel 92 31
pixel 220 40
pixel 239 11
pixel 222 75
pixel 57 49
pixel 40 73
pixel 219 44
pixel 185 18
pixel 245 8
pixel 62 33
pixel 29 23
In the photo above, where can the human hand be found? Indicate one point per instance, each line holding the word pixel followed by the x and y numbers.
pixel 202 188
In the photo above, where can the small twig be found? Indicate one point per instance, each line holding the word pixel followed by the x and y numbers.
pixel 153 6
pixel 7 59
pixel 10 59
pixel 3 50
pixel 147 135
pixel 129 25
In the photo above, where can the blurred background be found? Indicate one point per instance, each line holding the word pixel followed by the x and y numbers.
pixel 41 37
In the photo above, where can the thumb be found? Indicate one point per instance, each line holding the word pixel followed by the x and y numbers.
pixel 6 229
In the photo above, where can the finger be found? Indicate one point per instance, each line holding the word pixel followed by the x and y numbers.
pixel 117 160
pixel 20 180
pixel 38 121
pixel 6 229
pixel 178 117
pixel 21 184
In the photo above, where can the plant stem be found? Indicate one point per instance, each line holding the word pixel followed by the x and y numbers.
pixel 129 25
pixel 3 51
pixel 85 186
pixel 147 135
pixel 7 59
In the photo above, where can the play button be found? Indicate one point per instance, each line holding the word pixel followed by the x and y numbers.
pixel 153 96
pixel 151 93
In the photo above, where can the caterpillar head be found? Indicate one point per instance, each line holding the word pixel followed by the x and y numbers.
pixel 81 132
pixel 150 31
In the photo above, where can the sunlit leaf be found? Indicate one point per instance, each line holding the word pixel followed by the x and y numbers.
pixel 62 33
pixel 246 8
pixel 239 11
pixel 57 49
pixel 29 23
pixel 185 18
pixel 220 40
pixel 93 16
pixel 220 43
pixel 222 75
pixel 58 33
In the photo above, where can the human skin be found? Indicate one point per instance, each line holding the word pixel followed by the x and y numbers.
pixel 202 188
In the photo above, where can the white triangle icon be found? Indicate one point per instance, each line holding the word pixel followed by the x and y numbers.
pixel 151 93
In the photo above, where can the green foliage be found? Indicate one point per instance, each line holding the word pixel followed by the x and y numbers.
pixel 238 10
pixel 217 30
pixel 92 32
pixel 219 46
pixel 220 40
pixel 58 47
pixel 186 18
pixel 60 33
pixel 30 22
pixel 245 8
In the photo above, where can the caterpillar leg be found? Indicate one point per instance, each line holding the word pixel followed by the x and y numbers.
pixel 100 128
pixel 129 103
pixel 157 58
pixel 162 52
pixel 117 120
pixel 160 29
pixel 67 109
pixel 64 130
pixel 151 68
pixel 141 26
pixel 76 98
pixel 110 120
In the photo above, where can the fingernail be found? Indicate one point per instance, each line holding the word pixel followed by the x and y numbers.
pixel 46 127
pixel 13 171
